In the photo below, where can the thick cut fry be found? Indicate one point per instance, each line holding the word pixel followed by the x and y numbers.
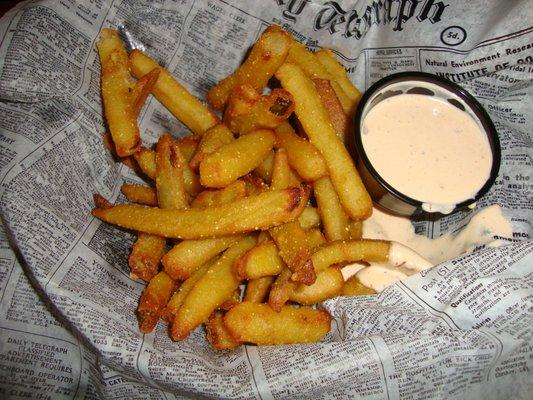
pixel 264 170
pixel 140 194
pixel 212 198
pixel 309 218
pixel 261 260
pixel 188 146
pixel 189 255
pixel 332 215
pixel 313 116
pixel 263 211
pixel 328 284
pixel 232 301
pixel 254 184
pixel 315 237
pixel 303 156
pixel 295 251
pixel 281 290
pixel 211 290
pixel 145 256
pixel 344 251
pixel 236 159
pixel 214 138
pixel 266 113
pixel 169 175
pixel 353 287
pixel 153 299
pixel 281 172
pixel 267 54
pixel 184 106
pixel 339 119
pixel 146 160
pixel 257 289
pixel 217 334
pixel 259 324
pixel 101 202
pixel 313 68
pixel 116 85
pixel 355 230
pixel 332 65
pixel 143 87
pixel 179 295
pixel 242 99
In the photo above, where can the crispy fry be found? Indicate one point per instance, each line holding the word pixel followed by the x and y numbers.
pixel 259 324
pixel 143 87
pixel 212 198
pixel 188 146
pixel 332 215
pixel 146 160
pixel 313 68
pixel 232 301
pixel 281 290
pixel 295 251
pixel 339 119
pixel 211 290
pixel 217 334
pixel 311 113
pixel 153 299
pixel 128 161
pixel 145 256
pixel 140 194
pixel 189 255
pixel 184 106
pixel 315 237
pixel 353 287
pixel 303 156
pixel 309 218
pixel 257 289
pixel 116 84
pixel 169 175
pixel 214 138
pixel 179 295
pixel 267 112
pixel 262 211
pixel 236 159
pixel 101 202
pixel 254 184
pixel 282 176
pixel 355 230
pixel 332 65
pixel 328 284
pixel 267 54
pixel 264 170
pixel 343 251
pixel 241 101
pixel 261 260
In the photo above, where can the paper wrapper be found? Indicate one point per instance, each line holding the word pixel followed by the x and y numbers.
pixel 461 330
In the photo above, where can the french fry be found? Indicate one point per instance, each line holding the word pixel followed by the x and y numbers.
pixel 328 284
pixel 145 256
pixel 339 119
pixel 211 290
pixel 355 230
pixel 153 299
pixel 315 238
pixel 303 156
pixel 344 251
pixel 313 116
pixel 169 175
pixel 295 251
pixel 211 198
pixel 262 211
pixel 353 287
pixel 236 159
pixel 116 85
pixel 214 138
pixel 217 334
pixel 332 65
pixel 127 161
pixel 184 106
pixel 259 324
pixel 143 87
pixel 281 290
pixel 189 255
pixel 267 54
pixel 241 101
pixel 265 113
pixel 188 146
pixel 232 301
pixel 254 184
pixel 264 170
pixel 175 302
pixel 261 260
pixel 140 194
pixel 257 289
pixel 282 175
pixel 309 218
pixel 146 160
pixel 313 68
pixel 101 202
pixel 334 219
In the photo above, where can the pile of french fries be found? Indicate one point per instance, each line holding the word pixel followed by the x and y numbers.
pixel 261 213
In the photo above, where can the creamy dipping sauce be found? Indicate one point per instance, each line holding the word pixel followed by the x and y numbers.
pixel 427 149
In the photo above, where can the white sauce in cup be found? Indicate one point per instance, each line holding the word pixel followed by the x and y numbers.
pixel 427 149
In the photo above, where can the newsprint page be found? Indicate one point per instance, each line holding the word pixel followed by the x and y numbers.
pixel 68 329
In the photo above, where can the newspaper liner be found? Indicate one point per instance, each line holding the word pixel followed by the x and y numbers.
pixel 461 330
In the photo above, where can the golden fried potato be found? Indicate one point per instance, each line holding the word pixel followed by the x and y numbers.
pixel 153 299
pixel 146 255
pixel 328 284
pixel 214 138
pixel 282 175
pixel 143 87
pixel 339 119
pixel 310 218
pixel 212 198
pixel 257 289
pixel 261 260
pixel 217 334
pixel 259 324
pixel 334 219
pixel 264 170
pixel 169 175
pixel 315 238
pixel 140 194
pixel 281 290
pixel 353 287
